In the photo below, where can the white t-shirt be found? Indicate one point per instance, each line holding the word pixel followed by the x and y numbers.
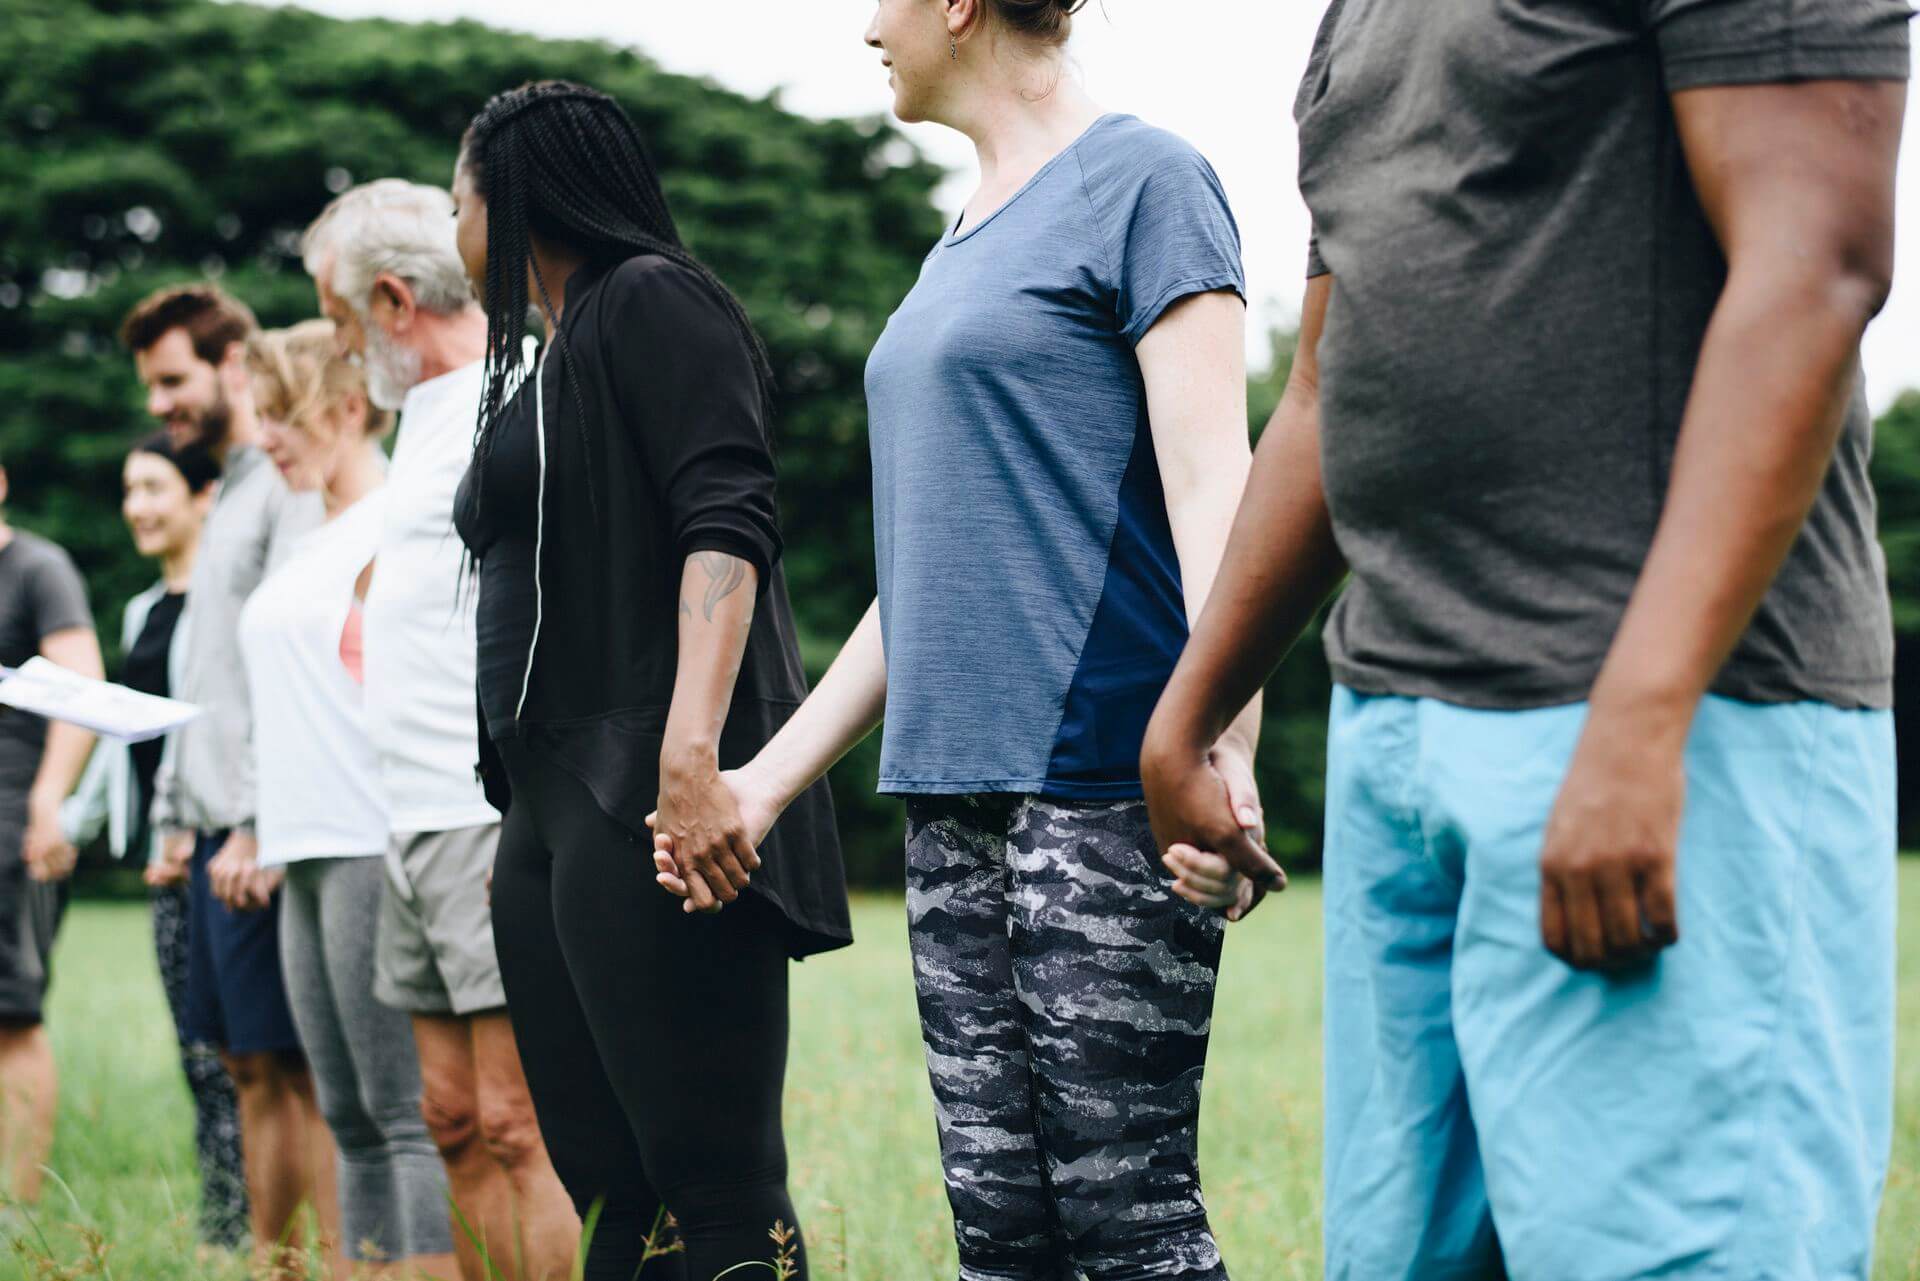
pixel 419 622
pixel 318 780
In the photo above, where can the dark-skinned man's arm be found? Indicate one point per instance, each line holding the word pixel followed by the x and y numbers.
pixel 1797 181
pixel 1280 565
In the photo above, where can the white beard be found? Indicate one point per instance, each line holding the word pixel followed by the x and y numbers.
pixel 392 370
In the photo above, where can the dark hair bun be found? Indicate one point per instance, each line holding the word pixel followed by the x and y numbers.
pixel 196 466
pixel 1050 20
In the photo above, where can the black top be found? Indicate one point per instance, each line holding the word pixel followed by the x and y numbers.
pixel 501 534
pixel 145 669
pixel 662 453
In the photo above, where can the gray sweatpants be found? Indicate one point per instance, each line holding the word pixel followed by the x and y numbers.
pixel 366 1073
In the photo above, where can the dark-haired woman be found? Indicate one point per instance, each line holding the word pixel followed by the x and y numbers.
pixel 1059 432
pixel 166 494
pixel 634 637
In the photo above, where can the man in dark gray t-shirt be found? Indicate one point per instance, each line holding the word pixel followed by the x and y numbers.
pixel 1610 795
pixel 1522 292
pixel 43 614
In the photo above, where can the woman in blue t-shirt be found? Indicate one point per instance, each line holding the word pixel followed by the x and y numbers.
pixel 1059 434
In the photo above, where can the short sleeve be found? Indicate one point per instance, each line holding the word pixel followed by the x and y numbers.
pixel 1316 265
pixel 1168 230
pixel 1731 42
pixel 57 596
pixel 685 379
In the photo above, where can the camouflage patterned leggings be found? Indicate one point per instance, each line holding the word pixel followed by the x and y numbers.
pixel 1065 997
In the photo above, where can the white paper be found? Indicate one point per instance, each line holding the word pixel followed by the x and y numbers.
pixel 112 711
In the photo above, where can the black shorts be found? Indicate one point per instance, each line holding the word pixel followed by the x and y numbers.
pixel 29 916
pixel 236 998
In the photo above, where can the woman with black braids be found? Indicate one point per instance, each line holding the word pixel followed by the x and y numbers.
pixel 634 638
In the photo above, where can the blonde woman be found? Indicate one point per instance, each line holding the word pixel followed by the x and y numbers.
pixel 322 814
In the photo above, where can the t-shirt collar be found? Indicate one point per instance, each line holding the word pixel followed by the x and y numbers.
pixel 424 399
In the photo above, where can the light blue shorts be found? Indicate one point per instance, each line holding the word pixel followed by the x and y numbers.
pixel 1724 1114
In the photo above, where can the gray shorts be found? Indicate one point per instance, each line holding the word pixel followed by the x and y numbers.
pixel 29 914
pixel 434 948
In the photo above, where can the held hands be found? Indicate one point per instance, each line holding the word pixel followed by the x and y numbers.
pixel 1207 820
pixel 176 854
pixel 704 836
pixel 1607 891
pixel 237 879
pixel 49 855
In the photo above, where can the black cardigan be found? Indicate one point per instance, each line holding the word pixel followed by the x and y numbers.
pixel 677 456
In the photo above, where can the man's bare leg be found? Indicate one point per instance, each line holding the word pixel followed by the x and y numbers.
pixel 29 1090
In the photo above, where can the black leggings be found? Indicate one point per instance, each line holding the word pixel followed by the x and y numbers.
pixel 655 1042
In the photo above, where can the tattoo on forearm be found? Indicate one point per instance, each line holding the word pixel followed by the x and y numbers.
pixel 724 575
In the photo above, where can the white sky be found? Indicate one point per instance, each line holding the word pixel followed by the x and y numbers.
pixel 1221 73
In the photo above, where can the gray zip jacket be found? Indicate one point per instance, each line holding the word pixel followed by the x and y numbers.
pixel 206 783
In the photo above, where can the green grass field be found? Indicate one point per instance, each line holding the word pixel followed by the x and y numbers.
pixel 867 1180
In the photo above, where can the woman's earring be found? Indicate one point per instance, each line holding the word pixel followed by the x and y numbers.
pixel 953 44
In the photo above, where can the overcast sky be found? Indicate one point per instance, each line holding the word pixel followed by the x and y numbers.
pixel 1221 73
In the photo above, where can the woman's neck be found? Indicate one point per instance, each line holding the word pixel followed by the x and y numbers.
pixel 1018 121
pixel 357 476
pixel 176 566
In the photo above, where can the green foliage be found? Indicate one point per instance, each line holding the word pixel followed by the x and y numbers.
pixel 1896 478
pixel 151 141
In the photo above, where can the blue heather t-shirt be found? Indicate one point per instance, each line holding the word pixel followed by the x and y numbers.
pixel 1030 597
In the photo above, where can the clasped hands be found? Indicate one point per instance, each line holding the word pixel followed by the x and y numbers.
pixel 710 823
pixel 48 854
pixel 236 878
pixel 708 829
pixel 1207 821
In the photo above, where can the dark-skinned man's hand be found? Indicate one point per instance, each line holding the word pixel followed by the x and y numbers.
pixel 1206 803
pixel 1608 899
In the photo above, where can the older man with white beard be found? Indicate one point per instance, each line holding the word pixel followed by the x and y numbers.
pixel 383 262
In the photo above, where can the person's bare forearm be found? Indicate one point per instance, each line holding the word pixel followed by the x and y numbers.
pixel 68 746
pixel 1206 519
pixel 1280 565
pixel 717 595
pixel 1193 362
pixel 849 702
pixel 1776 373
pixel 63 761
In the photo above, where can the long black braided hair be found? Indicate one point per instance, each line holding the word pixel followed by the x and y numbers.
pixel 565 162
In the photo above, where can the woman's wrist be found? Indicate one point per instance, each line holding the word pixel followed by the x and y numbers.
pixel 762 777
pixel 683 756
